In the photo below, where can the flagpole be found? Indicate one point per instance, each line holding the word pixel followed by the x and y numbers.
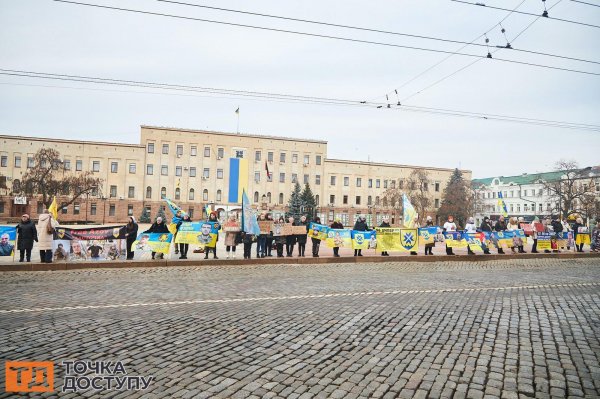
pixel 238 121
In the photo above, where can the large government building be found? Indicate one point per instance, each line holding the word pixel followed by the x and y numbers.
pixel 194 169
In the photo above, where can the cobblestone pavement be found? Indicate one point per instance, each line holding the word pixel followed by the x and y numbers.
pixel 509 328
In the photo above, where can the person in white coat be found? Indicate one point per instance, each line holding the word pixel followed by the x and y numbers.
pixel 45 229
pixel 470 228
pixel 448 227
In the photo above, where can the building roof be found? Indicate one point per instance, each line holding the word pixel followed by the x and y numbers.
pixel 525 178
pixel 81 142
pixel 392 165
pixel 258 136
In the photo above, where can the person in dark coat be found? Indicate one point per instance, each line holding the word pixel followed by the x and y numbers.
pixel 269 241
pixel 158 227
pixel 486 227
pixel 247 238
pixel 316 243
pixel 500 226
pixel 131 230
pixel 360 225
pixel 576 226
pixel 26 235
pixel 301 238
pixel 207 249
pixel 385 224
pixel 183 248
pixel 280 240
pixel 290 241
pixel 337 225
pixel 558 229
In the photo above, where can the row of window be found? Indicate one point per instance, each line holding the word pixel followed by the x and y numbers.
pixel 517 208
pixel 386 183
pixel 66 164
pixel 221 153
pixel 378 201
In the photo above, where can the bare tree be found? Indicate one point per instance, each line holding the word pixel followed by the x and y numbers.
pixel 573 191
pixel 417 191
pixel 47 178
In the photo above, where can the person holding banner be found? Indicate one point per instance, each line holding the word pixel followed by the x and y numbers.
pixel 207 248
pixel 385 224
pixel 270 239
pixel 576 233
pixel 248 239
pixel 500 226
pixel 486 229
pixel 26 235
pixel 513 225
pixel 232 238
pixel 301 238
pixel 470 228
pixel 336 225
pixel 261 242
pixel 448 227
pixel 360 225
pixel 280 240
pixel 428 246
pixel 558 229
pixel 158 227
pixel 183 248
pixel 536 227
pixel 290 240
pixel 316 243
pixel 45 230
pixel 131 230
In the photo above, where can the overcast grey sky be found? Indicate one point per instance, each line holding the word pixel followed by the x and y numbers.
pixel 46 36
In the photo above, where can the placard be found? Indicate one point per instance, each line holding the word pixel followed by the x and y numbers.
pixel 266 226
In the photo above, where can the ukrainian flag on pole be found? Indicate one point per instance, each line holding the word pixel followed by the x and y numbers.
pixel 410 214
pixel 502 204
pixel 53 209
pixel 238 179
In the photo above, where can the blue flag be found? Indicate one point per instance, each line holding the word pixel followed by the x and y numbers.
pixel 249 221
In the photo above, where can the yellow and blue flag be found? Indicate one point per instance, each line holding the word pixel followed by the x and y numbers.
pixel 362 239
pixel 502 204
pixel 410 215
pixel 249 220
pixel 238 179
pixel 53 209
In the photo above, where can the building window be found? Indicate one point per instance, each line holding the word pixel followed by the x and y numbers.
pixel 111 210
pixel 64 208
pixel 425 186
pixel 205 195
pixel 306 159
pixel 130 210
pixel 437 187
pixel 377 183
pixel 332 181
pixel 282 178
pixel 207 152
pixel 4 161
pixel 148 192
pixel 345 200
pixel 193 171
pixel 512 208
pixel 280 198
pixel 393 184
pixel 221 153
pixel 318 180
pixel 317 199
pixel 66 164
pixel 131 192
pixel 270 156
pixel 193 150
pixel 518 207
pixel 150 148
pixel 30 162
pixel 163 192
pixel 269 198
pixel 369 200
pixel 294 158
pixel 437 203
pixel 165 148
pixel 377 201
pixel 370 183
pixel 164 170
pixel 149 169
pixel 76 208
pixel 306 179
pixel 256 197
pixel 282 157
pixel 358 182
pixel 257 177
pixel 346 181
pixel 179 149
pixel 114 167
pixel 95 166
pixel 93 209
pixel 358 200
pixel 219 196
pixel 191 194
pixel 177 170
pixel 206 173
pixel 177 193
pixel 257 156
pixel 318 160
pixel 132 168
pixel 332 199
pixel 113 191
pixel 79 165
pixel 191 213
pixel 219 173
pixel 294 177
pixel 540 208
pixel 385 184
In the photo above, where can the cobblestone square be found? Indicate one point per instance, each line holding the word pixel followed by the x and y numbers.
pixel 510 328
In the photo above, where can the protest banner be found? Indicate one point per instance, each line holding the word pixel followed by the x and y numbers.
pixel 266 226
pixel 547 241
pixel 455 239
pixel 299 230
pixel 388 239
pixel 341 238
pixel 8 237
pixel 318 231
pixel 152 242
pixel 203 234
pixel 526 227
pixel 282 229
pixel 363 239
pixel 583 236
pixel 232 226
pixel 475 241
pixel 97 243
pixel 427 235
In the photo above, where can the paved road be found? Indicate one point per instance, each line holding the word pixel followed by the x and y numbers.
pixel 510 328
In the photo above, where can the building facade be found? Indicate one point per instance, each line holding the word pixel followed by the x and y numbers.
pixel 192 168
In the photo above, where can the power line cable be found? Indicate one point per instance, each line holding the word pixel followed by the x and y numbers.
pixel 527 13
pixel 589 4
pixel 278 97
pixel 347 39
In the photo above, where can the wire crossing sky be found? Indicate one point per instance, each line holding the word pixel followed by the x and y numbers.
pixel 311 70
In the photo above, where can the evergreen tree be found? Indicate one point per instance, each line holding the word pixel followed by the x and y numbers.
pixel 308 202
pixel 295 203
pixel 456 200
pixel 161 213
pixel 145 216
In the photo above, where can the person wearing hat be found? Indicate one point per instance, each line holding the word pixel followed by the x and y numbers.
pixel 557 227
pixel 131 230
pixel 448 227
pixel 336 225
pixel 534 232
pixel 26 235
pixel 486 227
pixel 385 224
pixel 212 218
pixel 360 225
pixel 470 228
pixel 500 226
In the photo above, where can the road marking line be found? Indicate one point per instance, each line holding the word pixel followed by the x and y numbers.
pixel 308 296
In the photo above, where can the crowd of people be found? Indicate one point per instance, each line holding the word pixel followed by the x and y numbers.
pixel 270 245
